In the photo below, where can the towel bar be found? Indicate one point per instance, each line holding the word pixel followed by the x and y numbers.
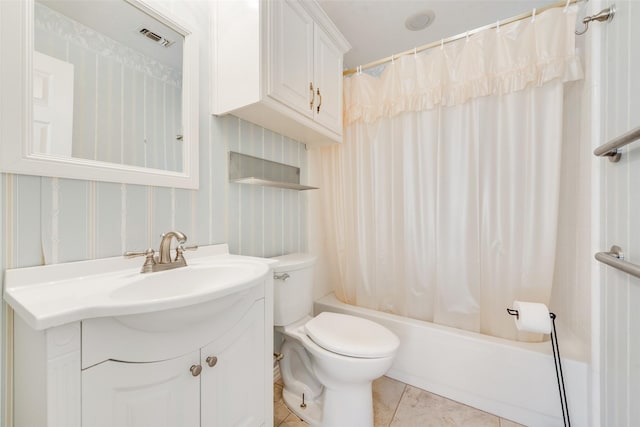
pixel 610 149
pixel 615 258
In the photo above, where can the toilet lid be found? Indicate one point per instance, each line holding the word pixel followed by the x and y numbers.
pixel 351 336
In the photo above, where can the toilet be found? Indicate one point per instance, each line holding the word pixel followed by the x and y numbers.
pixel 329 361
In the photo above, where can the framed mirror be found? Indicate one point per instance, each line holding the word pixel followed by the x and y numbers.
pixel 103 90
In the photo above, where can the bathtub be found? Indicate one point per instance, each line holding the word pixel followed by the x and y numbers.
pixel 510 379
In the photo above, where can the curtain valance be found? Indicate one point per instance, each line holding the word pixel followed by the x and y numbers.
pixel 493 62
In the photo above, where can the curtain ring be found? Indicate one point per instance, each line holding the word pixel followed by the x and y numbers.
pixel 441 43
pixel 467 36
pixel 566 6
pixel 533 15
pixel 498 26
pixel 415 52
pixel 393 60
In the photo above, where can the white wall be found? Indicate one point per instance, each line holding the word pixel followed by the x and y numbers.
pixel 50 220
pixel 620 220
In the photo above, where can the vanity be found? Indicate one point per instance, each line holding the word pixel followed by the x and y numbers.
pixel 98 343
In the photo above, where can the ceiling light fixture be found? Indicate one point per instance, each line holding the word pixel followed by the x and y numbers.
pixel 419 20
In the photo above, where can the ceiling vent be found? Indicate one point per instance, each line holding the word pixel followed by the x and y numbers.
pixel 156 38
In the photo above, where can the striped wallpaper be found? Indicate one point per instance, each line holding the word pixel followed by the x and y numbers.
pixel 52 220
pixel 620 225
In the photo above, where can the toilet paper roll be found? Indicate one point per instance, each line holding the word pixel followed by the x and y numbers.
pixel 532 317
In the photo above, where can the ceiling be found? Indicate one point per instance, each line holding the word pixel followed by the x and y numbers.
pixel 375 28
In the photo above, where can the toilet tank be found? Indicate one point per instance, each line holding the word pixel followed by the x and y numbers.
pixel 293 295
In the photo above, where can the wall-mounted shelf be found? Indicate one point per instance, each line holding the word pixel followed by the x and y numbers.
pixel 244 169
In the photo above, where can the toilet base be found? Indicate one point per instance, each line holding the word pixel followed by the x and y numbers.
pixel 311 414
pixel 358 412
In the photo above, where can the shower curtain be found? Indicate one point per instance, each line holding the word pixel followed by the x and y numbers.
pixel 442 202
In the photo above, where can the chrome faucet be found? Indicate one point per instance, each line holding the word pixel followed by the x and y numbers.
pixel 163 260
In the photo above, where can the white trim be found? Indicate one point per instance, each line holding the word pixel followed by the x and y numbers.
pixel 595 367
pixel 321 18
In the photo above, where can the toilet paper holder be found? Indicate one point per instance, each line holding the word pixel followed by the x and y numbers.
pixel 513 312
pixel 558 364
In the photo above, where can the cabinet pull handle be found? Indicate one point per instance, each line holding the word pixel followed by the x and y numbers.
pixel 195 370
pixel 313 96
pixel 320 104
pixel 211 361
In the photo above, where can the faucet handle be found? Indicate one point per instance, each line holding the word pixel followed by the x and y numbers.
pixel 149 262
pixel 181 248
pixel 133 254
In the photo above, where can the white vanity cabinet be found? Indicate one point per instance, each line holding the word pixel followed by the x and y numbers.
pixel 233 388
pixel 221 384
pixel 279 64
pixel 125 354
pixel 142 394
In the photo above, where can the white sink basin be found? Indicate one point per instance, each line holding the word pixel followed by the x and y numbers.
pixel 53 295
pixel 185 281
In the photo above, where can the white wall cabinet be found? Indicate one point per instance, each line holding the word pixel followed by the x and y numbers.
pixel 279 64
pixel 291 76
pixel 207 365
pixel 328 105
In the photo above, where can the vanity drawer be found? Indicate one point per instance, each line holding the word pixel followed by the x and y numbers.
pixel 163 335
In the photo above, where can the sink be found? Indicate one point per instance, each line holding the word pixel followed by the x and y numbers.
pixel 186 281
pixel 53 295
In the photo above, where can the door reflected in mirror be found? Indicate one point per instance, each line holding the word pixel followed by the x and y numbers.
pixel 107 85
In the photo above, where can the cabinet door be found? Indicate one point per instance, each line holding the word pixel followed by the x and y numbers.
pixel 328 81
pixel 233 390
pixel 158 394
pixel 290 56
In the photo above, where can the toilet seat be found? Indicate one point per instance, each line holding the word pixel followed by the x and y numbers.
pixel 351 336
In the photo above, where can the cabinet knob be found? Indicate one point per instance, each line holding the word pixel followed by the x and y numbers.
pixel 195 370
pixel 211 361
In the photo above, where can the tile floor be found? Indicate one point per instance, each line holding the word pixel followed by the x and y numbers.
pixel 396 404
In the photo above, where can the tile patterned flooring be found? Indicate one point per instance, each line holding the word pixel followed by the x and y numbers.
pixel 396 404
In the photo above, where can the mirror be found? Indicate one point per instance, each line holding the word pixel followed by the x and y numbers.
pixel 112 97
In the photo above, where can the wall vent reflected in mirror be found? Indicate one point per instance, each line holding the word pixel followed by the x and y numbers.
pixel 162 41
pixel 244 169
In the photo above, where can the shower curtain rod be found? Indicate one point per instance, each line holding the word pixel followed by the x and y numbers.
pixel 458 37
